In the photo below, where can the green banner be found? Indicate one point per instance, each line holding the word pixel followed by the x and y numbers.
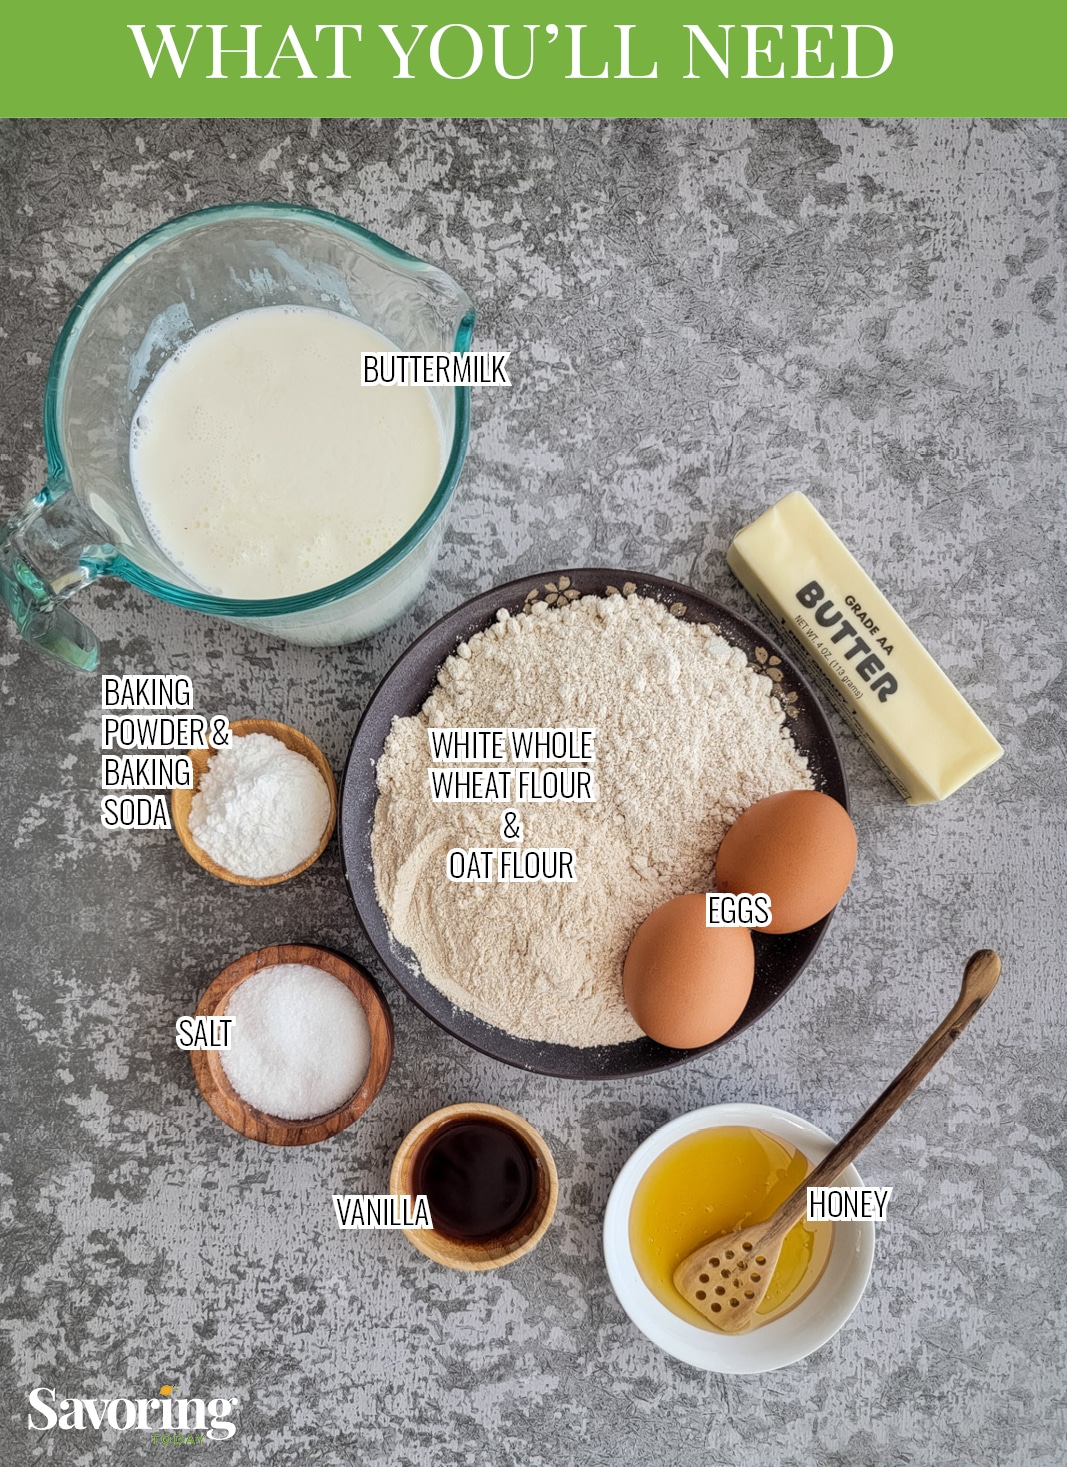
pixel 582 58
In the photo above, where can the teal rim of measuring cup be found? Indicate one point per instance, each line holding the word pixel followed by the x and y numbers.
pixel 111 561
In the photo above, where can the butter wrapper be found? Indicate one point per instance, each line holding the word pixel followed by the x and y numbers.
pixel 921 730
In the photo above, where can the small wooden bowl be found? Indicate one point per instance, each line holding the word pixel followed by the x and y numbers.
pixel 181 800
pixel 478 1257
pixel 256 1124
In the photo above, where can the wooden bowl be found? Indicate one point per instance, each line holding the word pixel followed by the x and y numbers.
pixel 257 1124
pixel 476 1256
pixel 181 800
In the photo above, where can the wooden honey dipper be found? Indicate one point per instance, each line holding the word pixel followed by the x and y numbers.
pixel 727 1278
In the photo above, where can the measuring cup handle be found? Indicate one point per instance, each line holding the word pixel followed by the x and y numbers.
pixel 50 549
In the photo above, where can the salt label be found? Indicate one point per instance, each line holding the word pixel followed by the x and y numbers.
pixel 203 1033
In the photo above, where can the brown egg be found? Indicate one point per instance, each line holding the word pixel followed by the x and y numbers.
pixel 685 983
pixel 799 848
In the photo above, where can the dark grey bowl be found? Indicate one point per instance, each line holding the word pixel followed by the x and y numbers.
pixel 402 692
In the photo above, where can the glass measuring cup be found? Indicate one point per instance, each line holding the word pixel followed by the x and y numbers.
pixel 173 282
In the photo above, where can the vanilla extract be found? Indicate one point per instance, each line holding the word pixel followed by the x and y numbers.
pixel 479 1177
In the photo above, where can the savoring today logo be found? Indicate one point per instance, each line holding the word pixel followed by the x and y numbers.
pixel 172 1420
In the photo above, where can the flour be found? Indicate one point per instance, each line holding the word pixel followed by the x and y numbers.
pixel 687 737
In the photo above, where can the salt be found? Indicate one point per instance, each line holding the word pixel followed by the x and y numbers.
pixel 301 1042
pixel 260 808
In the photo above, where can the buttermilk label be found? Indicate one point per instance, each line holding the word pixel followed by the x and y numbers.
pixel 434 369
pixel 145 720
pixel 494 766
pixel 845 637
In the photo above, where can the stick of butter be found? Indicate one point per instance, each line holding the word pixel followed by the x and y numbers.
pixel 925 735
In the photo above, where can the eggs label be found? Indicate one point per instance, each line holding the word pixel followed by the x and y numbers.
pixel 192 1033
pixel 508 863
pixel 746 909
pixel 844 1204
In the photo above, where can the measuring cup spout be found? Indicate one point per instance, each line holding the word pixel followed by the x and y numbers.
pixel 50 549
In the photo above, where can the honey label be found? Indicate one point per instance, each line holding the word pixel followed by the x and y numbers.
pixel 848 1204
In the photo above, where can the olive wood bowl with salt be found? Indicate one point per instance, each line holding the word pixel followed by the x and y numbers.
pixel 258 1125
pixel 181 800
pixel 479 1255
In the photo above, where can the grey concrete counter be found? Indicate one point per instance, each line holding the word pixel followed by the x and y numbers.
pixel 703 316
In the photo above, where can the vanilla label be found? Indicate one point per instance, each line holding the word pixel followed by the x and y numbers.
pixel 379 1212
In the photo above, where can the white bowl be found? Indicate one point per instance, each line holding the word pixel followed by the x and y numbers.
pixel 784 1340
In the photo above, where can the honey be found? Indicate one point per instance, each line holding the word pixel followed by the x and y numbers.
pixel 708 1184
